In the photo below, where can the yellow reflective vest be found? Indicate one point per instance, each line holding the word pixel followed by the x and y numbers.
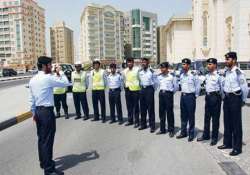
pixel 79 81
pixel 98 80
pixel 132 79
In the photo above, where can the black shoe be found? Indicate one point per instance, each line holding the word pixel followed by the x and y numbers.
pixel 142 128
pixel 202 138
pixel 55 172
pixel 58 115
pixel 120 122
pixel 235 153
pixel 213 142
pixel 224 147
pixel 181 136
pixel 85 118
pixel 129 124
pixel 152 130
pixel 136 125
pixel 66 116
pixel 78 117
pixel 190 138
pixel 95 119
pixel 103 121
pixel 171 134
pixel 112 121
pixel 161 132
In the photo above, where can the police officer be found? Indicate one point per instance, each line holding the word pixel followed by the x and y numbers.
pixel 99 80
pixel 190 89
pixel 168 85
pixel 236 91
pixel 115 83
pixel 42 105
pixel 132 92
pixel 214 93
pixel 60 95
pixel 147 102
pixel 80 85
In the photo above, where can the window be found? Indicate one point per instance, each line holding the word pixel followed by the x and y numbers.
pixel 205 28
pixel 146 23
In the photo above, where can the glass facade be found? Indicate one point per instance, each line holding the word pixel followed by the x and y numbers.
pixel 136 17
pixel 146 23
pixel 136 37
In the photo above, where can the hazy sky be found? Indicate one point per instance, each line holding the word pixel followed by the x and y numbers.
pixel 70 11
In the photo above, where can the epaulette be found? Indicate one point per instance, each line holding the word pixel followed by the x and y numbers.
pixel 172 73
pixel 152 71
pixel 193 73
pixel 238 71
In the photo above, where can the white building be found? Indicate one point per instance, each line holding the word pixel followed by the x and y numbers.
pixel 102 33
pixel 218 26
pixel 22 33
pixel 143 33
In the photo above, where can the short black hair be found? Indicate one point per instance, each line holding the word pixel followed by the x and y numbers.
pixel 145 59
pixel 96 62
pixel 164 65
pixel 112 65
pixel 130 59
pixel 43 60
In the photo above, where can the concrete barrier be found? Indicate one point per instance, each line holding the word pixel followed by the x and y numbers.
pixel 15 120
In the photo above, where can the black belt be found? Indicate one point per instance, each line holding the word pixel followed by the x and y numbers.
pixel 149 86
pixel 115 89
pixel 236 93
pixel 165 91
pixel 213 93
pixel 44 107
pixel 186 94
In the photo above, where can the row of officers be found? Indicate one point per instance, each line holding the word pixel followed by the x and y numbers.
pixel 140 86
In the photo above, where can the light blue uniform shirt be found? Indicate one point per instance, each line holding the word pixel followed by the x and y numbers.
pixel 147 77
pixel 115 81
pixel 235 81
pixel 214 82
pixel 190 83
pixel 167 82
pixel 41 89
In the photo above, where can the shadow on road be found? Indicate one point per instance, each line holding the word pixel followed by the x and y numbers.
pixel 72 160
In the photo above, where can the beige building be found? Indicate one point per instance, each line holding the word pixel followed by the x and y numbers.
pixel 214 28
pixel 22 32
pixel 62 43
pixel 102 33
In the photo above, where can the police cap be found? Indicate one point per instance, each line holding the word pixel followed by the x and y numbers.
pixel 164 65
pixel 212 60
pixel 186 61
pixel 232 55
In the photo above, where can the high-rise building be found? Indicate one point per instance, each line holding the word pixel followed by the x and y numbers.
pixel 62 43
pixel 22 32
pixel 143 34
pixel 102 33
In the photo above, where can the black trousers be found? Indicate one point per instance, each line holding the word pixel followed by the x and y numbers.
pixel 80 99
pixel 115 103
pixel 232 121
pixel 212 111
pixel 61 100
pixel 147 104
pixel 132 101
pixel 46 128
pixel 188 107
pixel 99 96
pixel 166 106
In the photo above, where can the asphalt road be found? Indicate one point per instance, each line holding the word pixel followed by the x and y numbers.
pixel 93 148
pixel 11 83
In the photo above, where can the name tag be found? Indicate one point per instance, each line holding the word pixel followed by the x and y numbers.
pixel 78 80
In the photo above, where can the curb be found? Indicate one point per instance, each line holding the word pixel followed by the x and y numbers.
pixel 15 120
pixel 15 78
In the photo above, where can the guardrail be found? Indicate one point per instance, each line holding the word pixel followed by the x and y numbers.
pixel 15 78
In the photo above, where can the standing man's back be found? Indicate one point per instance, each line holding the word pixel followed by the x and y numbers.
pixel 42 106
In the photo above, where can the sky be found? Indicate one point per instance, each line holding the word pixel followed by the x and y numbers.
pixel 70 11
